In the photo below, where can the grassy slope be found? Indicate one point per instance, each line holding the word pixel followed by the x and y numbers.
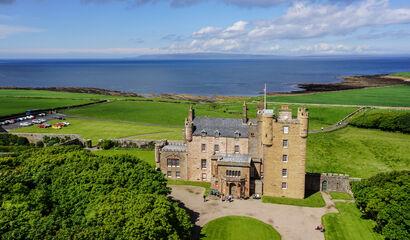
pixel 101 129
pixel 348 224
pixel 227 228
pixel 314 200
pixel 146 155
pixel 358 152
pixel 401 74
pixel 10 106
pixel 382 96
pixel 340 195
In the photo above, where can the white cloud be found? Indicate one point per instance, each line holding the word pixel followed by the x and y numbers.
pixel 303 20
pixel 8 30
pixel 326 48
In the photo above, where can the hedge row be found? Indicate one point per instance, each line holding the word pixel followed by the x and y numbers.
pixel 386 121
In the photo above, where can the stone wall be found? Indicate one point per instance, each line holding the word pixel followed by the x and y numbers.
pixel 37 137
pixel 129 143
pixel 333 182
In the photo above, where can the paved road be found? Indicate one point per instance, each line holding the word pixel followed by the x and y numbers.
pixel 292 222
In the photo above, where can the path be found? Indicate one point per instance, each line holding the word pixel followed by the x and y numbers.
pixel 342 105
pixel 292 222
pixel 340 124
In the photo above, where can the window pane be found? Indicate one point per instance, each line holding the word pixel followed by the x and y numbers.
pixel 285 130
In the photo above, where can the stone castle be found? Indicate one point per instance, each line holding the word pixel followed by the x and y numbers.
pixel 241 157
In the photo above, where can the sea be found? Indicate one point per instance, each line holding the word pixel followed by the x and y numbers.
pixel 197 77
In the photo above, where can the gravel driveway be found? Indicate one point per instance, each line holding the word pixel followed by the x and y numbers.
pixel 292 222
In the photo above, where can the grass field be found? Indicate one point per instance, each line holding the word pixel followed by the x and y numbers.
pixel 146 155
pixel 340 196
pixel 401 74
pixel 398 95
pixel 348 224
pixel 314 200
pixel 104 129
pixel 10 106
pixel 358 152
pixel 238 228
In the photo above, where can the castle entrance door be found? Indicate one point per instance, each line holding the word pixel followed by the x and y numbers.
pixel 232 189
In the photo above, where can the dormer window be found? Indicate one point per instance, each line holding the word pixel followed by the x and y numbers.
pixel 203 133
pixel 237 134
pixel 217 133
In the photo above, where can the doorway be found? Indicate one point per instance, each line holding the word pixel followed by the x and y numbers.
pixel 324 186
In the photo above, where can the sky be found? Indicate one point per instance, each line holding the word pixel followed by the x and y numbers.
pixel 127 28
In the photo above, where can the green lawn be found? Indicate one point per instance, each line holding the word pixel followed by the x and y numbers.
pixel 10 106
pixel 238 228
pixel 358 152
pixel 314 200
pixel 348 224
pixel 340 196
pixel 105 129
pixel 401 74
pixel 398 95
pixel 146 155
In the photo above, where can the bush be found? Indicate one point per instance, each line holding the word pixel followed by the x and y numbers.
pixel 11 140
pixel 386 121
pixel 385 198
pixel 69 193
pixel 107 144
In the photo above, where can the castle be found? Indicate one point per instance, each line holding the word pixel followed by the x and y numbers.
pixel 241 157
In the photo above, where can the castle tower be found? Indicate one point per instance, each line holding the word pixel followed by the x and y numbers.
pixel 303 117
pixel 267 127
pixel 245 113
pixel 189 125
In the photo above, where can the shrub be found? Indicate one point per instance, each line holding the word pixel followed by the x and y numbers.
pixel 386 121
pixel 385 198
pixel 107 144
pixel 10 140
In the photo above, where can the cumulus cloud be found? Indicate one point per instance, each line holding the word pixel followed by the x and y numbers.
pixel 301 21
pixel 8 30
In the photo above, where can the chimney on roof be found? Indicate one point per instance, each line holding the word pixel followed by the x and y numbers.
pixel 244 113
pixel 191 114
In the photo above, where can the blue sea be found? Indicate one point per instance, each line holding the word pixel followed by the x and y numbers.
pixel 199 77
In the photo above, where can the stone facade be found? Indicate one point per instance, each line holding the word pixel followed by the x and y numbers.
pixel 241 157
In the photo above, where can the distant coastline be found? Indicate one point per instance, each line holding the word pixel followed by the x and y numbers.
pixel 348 83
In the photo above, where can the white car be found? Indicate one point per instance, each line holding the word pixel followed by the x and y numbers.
pixel 30 117
pixel 38 121
pixel 26 124
pixel 66 123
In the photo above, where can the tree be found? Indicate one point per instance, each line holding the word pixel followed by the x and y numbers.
pixel 385 198
pixel 69 193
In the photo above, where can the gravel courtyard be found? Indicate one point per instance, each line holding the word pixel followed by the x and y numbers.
pixel 292 222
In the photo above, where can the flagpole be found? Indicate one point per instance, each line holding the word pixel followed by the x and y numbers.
pixel 265 105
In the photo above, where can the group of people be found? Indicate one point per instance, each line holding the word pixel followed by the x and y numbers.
pixel 320 228
pixel 228 198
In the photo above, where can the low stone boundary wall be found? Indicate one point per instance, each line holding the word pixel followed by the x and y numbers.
pixel 37 137
pixel 329 182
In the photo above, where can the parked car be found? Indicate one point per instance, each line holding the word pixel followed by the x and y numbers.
pixel 66 123
pixel 58 125
pixel 256 196
pixel 44 125
pixel 41 114
pixel 30 117
pixel 38 121
pixel 26 124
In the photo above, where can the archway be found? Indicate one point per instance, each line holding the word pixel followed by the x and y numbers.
pixel 324 186
pixel 232 189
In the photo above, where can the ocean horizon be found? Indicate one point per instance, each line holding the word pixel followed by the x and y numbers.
pixel 197 77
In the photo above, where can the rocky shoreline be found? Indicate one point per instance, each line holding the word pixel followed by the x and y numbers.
pixel 352 82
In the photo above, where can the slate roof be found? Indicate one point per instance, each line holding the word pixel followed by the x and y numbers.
pixel 234 160
pixel 223 127
pixel 174 147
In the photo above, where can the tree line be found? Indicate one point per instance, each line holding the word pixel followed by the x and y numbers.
pixel 69 193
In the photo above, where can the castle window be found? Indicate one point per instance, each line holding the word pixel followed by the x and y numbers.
pixel 216 148
pixel 217 133
pixel 203 176
pixel 173 162
pixel 236 148
pixel 284 185
pixel 203 163
pixel 284 158
pixel 203 133
pixel 285 143
pixel 231 173
pixel 177 174
pixel 169 174
pixel 203 147
pixel 284 172
pixel 286 130
pixel 252 134
pixel 237 134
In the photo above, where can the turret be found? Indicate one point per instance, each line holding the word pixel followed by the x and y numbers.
pixel 189 125
pixel 244 113
pixel 267 127
pixel 303 117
